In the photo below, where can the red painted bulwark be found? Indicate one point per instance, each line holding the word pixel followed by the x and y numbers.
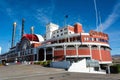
pixel 83 51
pixel 71 52
pixel 95 55
pixel 106 55
pixel 59 55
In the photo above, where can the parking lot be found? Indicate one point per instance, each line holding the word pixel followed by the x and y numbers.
pixel 36 72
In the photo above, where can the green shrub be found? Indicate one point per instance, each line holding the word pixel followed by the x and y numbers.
pixel 43 63
pixel 115 68
pixel 1 65
pixel 118 67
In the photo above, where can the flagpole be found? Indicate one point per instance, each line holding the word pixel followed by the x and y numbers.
pixel 65 20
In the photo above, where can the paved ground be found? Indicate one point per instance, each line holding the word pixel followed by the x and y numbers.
pixel 35 72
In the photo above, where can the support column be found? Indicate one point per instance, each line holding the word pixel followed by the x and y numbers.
pixel 90 47
pixel 44 54
pixel 108 68
pixel 57 41
pixel 37 54
pixel 76 46
pixel 99 48
pixel 52 53
pixel 65 51
pixel 33 54
pixel 68 38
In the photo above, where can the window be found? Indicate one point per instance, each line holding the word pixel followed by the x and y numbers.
pixel 57 35
pixel 61 30
pixel 97 39
pixel 65 28
pixel 65 32
pixel 92 39
pixel 85 39
pixel 54 32
pixel 78 38
pixel 106 41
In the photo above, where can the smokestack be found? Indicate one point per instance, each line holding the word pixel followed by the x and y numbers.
pixel 32 30
pixel 13 34
pixel 22 32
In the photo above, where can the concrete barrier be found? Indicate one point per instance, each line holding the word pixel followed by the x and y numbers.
pixel 60 64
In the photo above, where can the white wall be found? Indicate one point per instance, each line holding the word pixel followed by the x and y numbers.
pixel 81 67
pixel 49 29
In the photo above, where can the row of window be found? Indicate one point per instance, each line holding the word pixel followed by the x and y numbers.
pixel 58 35
pixel 95 39
pixel 78 38
pixel 57 31
pixel 73 39
pixel 84 47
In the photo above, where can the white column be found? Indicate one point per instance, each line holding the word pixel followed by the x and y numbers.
pixel 52 53
pixel 68 38
pixel 44 54
pixel 57 41
pixel 90 47
pixel 100 53
pixel 76 50
pixel 65 51
pixel 108 67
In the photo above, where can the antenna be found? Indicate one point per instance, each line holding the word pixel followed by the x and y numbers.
pixel 100 22
pixel 96 14
pixel 65 22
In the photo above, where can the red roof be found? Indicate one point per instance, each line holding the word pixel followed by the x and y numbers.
pixel 31 37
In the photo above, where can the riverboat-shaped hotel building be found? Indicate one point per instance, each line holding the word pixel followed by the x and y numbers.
pixel 69 43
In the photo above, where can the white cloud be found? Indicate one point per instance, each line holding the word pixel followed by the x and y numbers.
pixel 44 15
pixel 113 17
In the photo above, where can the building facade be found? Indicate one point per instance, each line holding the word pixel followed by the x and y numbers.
pixel 69 43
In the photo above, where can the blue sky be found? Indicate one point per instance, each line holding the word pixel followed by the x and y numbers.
pixel 38 13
